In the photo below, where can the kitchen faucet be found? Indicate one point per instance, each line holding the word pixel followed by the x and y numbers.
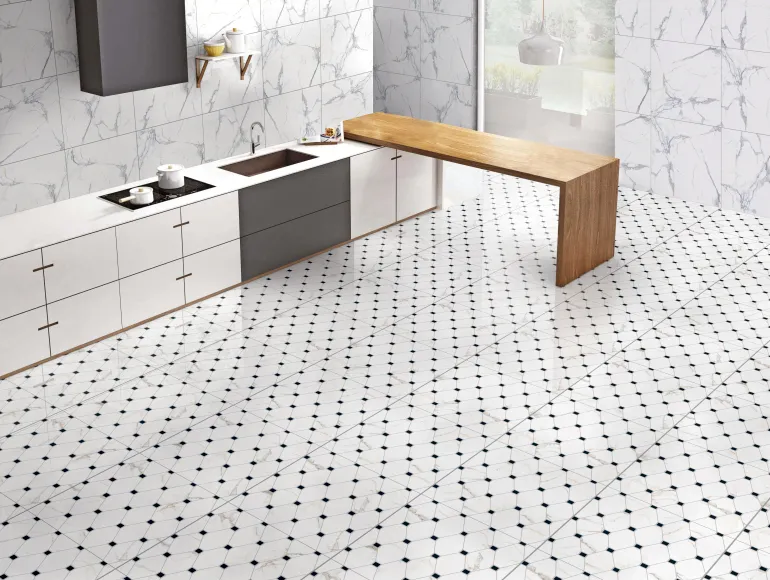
pixel 256 144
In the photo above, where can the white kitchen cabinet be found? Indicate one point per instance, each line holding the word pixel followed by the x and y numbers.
pixel 80 264
pixel 149 242
pixel 21 284
pixel 84 317
pixel 212 270
pixel 210 223
pixel 372 191
pixel 416 184
pixel 151 292
pixel 23 340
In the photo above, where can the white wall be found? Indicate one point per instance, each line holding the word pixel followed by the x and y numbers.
pixel 693 100
pixel 57 142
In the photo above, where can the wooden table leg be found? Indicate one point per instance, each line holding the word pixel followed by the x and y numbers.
pixel 587 214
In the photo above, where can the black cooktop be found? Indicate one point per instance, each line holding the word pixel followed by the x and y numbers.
pixel 159 195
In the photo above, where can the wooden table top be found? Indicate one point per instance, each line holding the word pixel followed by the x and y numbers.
pixel 534 161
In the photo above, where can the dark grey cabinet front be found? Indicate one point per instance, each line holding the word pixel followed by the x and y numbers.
pixel 291 241
pixel 281 200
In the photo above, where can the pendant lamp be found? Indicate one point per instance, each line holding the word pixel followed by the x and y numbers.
pixel 542 49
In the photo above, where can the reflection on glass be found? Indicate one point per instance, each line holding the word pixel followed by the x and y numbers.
pixel 571 105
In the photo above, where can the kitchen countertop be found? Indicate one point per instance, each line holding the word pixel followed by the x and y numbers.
pixel 36 228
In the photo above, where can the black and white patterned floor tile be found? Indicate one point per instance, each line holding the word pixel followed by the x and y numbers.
pixel 421 403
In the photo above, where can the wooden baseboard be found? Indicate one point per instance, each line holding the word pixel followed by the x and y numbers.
pixel 188 304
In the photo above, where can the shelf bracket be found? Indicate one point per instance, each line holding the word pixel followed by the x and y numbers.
pixel 199 72
pixel 245 67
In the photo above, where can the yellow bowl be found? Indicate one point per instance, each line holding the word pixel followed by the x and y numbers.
pixel 214 49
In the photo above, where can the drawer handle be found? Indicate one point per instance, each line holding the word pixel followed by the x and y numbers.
pixel 185 276
pixel 182 224
pixel 48 326
pixel 41 268
pixel 396 157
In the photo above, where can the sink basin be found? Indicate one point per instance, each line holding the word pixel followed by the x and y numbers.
pixel 269 162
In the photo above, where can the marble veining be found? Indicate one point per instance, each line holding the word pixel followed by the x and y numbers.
pixel 686 82
pixel 346 98
pixel 633 148
pixel 277 13
pixel 292 115
pixel 97 166
pixel 453 7
pixel 397 41
pixel 397 94
pixel 334 7
pixel 64 35
pixel 224 88
pixel 450 103
pixel 632 18
pixel 214 17
pixel 26 42
pixel 692 21
pixel 744 24
pixel 447 48
pixel 633 72
pixel 346 45
pixel 746 172
pixel 30 120
pixel 228 132
pixel 746 90
pixel 179 142
pixel 291 57
pixel 88 118
pixel 33 182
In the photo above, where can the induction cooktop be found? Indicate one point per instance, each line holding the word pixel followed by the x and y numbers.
pixel 159 195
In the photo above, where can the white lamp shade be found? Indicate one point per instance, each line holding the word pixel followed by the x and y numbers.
pixel 541 49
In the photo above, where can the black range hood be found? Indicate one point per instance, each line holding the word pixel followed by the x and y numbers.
pixel 130 45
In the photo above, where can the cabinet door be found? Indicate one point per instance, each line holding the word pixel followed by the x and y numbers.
pixel 210 223
pixel 151 293
pixel 23 340
pixel 80 264
pixel 212 271
pixel 21 284
pixel 84 317
pixel 149 242
pixel 416 184
pixel 372 191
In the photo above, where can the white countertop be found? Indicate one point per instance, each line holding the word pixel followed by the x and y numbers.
pixel 36 228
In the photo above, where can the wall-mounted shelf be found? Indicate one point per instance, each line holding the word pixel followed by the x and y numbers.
pixel 243 57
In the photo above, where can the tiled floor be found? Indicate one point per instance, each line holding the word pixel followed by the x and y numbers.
pixel 420 404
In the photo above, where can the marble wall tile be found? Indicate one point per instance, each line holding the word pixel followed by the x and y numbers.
pixel 334 7
pixel 450 103
pixel 292 115
pixel 633 142
pixel 33 183
pixel 227 132
pixel 746 172
pixel 693 21
pixel 191 21
pixel 454 7
pixel 87 118
pixel 180 142
pixel 30 120
pixel 447 51
pixel 65 39
pixel 101 165
pixel 26 42
pixel 686 82
pixel 223 88
pixel 216 16
pixel 745 24
pixel 632 18
pixel 403 4
pixel 172 102
pixel 686 161
pixel 347 47
pixel 397 41
pixel 347 98
pixel 291 58
pixel 397 94
pixel 746 90
pixel 632 74
pixel 277 13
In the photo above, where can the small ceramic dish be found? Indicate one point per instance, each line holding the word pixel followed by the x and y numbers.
pixel 214 48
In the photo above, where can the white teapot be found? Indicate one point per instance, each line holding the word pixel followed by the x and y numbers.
pixel 235 40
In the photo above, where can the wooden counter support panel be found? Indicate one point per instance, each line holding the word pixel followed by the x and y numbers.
pixel 588 182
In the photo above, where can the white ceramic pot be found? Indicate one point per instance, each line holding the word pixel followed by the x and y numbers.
pixel 139 196
pixel 171 176
pixel 235 40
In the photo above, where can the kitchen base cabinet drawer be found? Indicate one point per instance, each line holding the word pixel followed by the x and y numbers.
pixel 149 242
pixel 292 241
pixel 151 293
pixel 21 284
pixel 212 271
pixel 84 317
pixel 210 223
pixel 21 341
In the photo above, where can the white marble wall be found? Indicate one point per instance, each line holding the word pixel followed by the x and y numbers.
pixel 425 59
pixel 693 100
pixel 57 142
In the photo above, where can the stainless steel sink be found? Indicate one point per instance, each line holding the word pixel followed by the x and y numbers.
pixel 269 162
